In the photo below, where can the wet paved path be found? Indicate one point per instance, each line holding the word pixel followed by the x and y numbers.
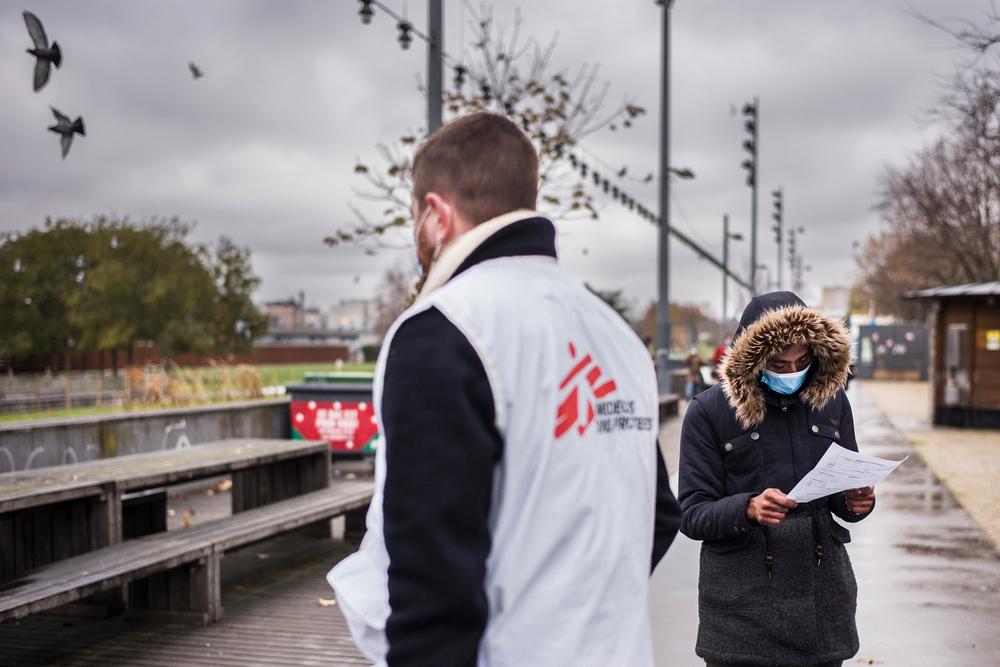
pixel 928 577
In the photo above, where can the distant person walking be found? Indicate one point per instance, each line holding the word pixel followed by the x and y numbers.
pixel 776 586
pixel 521 498
pixel 694 362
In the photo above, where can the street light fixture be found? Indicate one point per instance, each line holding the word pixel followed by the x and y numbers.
pixel 404 35
pixel 663 334
pixel 435 50
pixel 778 215
pixel 751 114
pixel 366 12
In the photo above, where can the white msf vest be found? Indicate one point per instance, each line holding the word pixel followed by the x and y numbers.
pixel 573 505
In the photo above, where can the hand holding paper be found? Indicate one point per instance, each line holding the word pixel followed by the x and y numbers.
pixel 841 469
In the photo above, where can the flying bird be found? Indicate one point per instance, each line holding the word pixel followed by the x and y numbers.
pixel 649 177
pixel 66 128
pixel 195 71
pixel 622 172
pixel 45 55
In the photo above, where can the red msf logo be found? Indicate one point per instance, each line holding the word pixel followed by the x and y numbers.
pixel 569 413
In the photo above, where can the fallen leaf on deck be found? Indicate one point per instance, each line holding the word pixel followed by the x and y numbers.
pixel 171 512
pixel 224 485
pixel 185 521
pixel 350 475
pixel 210 492
pixel 263 556
pixel 323 602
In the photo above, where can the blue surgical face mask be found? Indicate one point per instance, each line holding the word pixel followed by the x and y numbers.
pixel 785 383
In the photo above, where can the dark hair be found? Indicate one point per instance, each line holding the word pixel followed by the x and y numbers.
pixel 483 162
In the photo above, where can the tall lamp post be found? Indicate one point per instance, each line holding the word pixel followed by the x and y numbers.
pixel 435 65
pixel 663 337
pixel 726 237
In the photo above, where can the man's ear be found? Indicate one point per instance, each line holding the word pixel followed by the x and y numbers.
pixel 445 213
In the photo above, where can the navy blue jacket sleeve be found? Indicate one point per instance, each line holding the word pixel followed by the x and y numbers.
pixel 668 511
pixel 707 513
pixel 837 502
pixel 442 446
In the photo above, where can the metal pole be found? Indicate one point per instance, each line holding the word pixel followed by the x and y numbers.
pixel 753 201
pixel 781 234
pixel 435 65
pixel 725 275
pixel 663 338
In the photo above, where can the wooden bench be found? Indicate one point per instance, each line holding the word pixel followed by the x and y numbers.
pixel 187 559
pixel 49 514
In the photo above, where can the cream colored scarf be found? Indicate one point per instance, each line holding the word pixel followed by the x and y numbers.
pixel 456 252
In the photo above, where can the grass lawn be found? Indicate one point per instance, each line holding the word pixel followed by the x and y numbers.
pixel 273 375
pixel 283 374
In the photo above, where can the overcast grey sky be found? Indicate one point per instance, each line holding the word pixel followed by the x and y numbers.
pixel 262 148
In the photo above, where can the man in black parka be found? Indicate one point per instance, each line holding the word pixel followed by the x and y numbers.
pixel 776 586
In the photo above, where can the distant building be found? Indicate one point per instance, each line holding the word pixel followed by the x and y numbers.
pixel 352 316
pixel 350 324
pixel 283 315
pixel 964 353
pixel 313 320
pixel 292 315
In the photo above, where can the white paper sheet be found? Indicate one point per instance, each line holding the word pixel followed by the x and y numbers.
pixel 839 470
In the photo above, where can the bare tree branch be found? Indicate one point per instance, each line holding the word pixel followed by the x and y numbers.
pixel 509 74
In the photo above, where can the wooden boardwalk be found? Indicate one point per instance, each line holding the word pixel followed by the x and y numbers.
pixel 273 616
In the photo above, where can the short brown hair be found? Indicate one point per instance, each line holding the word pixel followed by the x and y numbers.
pixel 483 162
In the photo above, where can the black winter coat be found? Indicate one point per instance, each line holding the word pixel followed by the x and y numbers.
pixel 784 595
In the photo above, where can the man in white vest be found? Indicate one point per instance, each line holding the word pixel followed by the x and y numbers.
pixel 521 498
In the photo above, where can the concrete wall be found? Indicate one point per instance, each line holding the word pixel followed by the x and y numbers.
pixel 54 442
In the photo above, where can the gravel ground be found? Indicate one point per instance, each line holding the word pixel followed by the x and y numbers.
pixel 967 461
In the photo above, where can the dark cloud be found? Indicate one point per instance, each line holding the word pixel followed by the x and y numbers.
pixel 262 148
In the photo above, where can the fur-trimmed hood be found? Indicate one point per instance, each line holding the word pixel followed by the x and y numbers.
pixel 770 323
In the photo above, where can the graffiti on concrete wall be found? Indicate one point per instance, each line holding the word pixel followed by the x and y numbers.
pixel 6 460
pixel 181 441
pixel 39 457
pixel 60 444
